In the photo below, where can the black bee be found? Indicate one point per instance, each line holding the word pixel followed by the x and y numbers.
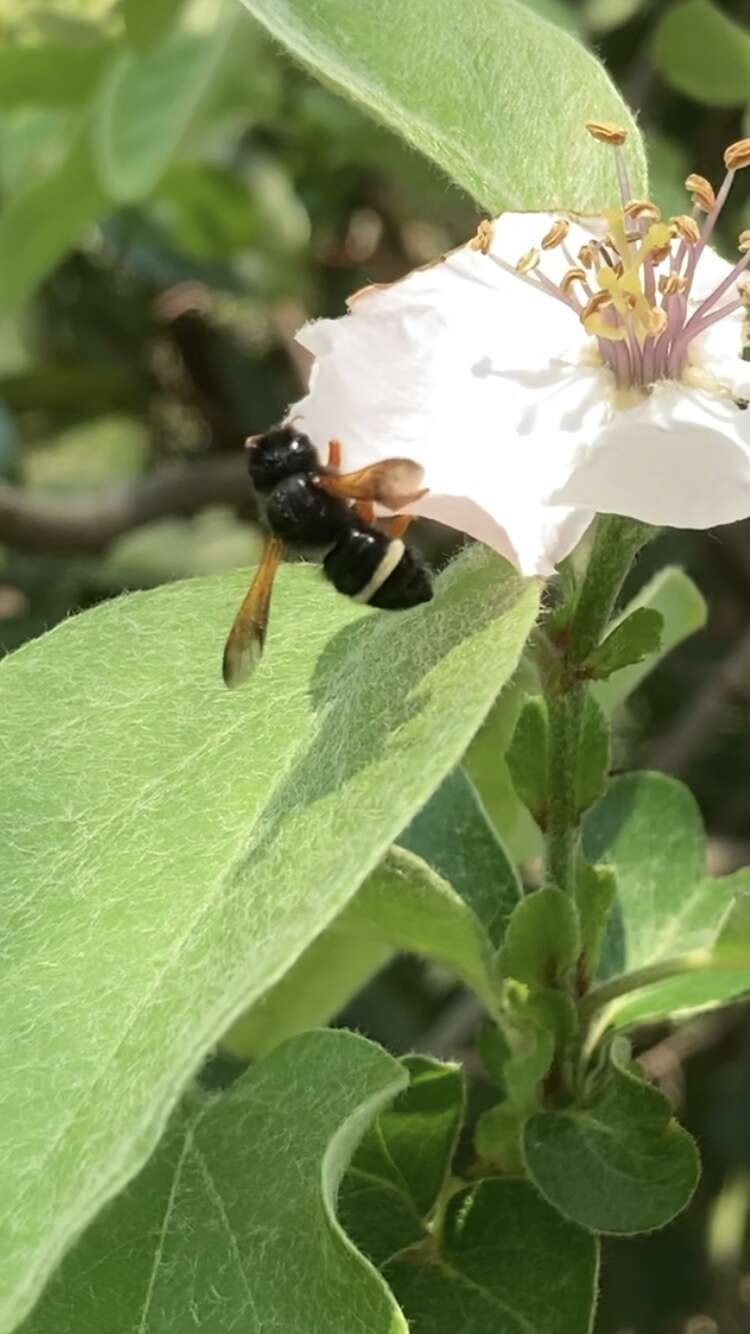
pixel 316 505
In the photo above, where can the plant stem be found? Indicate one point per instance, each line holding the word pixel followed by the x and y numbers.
pixel 565 711
pixel 616 542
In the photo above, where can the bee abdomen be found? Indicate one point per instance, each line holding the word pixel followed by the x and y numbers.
pixel 371 567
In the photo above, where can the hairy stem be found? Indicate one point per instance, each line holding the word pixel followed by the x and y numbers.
pixel 615 544
pixel 692 961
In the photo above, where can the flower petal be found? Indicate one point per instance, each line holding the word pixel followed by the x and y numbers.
pixel 680 457
pixel 444 367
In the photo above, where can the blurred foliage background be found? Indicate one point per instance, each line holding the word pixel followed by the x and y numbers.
pixel 175 198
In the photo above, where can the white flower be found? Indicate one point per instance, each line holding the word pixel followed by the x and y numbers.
pixel 602 371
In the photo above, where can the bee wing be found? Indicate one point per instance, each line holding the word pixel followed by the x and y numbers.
pixel 391 482
pixel 244 646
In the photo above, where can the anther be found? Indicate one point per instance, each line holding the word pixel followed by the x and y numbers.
pixel 483 239
pixel 642 208
pixel 685 227
pixel 701 191
pixel 672 284
pixel 572 276
pixel 657 321
pixel 737 156
pixel 587 256
pixel 528 261
pixel 659 253
pixel 606 132
pixel 556 234
pixel 596 302
pixel 744 240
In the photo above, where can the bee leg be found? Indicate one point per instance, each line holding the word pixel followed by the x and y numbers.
pixel 364 510
pixel 334 454
pixel 397 526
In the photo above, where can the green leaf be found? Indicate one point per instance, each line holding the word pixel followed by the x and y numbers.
pixel 528 757
pixel 604 15
pixel 543 939
pixel 182 845
pixel 593 758
pixel 238 1198
pixel 455 836
pixel 649 830
pixel 596 891
pixel 146 104
pixel 146 22
pixel 402 905
pixel 488 770
pixel 683 610
pixel 50 73
pixel 396 1176
pixel 506 1262
pixel 703 53
pixel 471 86
pixel 621 1165
pixel 40 224
pixel 634 638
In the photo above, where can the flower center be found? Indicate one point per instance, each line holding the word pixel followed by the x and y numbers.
pixel 631 285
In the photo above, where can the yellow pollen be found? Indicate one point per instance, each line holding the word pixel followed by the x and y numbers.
pixel 587 256
pixel 556 234
pixel 685 227
pixel 701 190
pixel 671 284
pixel 657 322
pixel 483 239
pixel 744 240
pixel 737 156
pixel 606 132
pixel 572 276
pixel 743 291
pixel 642 208
pixel 528 261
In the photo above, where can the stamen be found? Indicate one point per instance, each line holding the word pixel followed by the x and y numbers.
pixel 556 234
pixel 572 276
pixel 701 191
pixel 686 227
pixel 482 241
pixel 640 317
pixel 737 155
pixel 642 208
pixel 671 284
pixel 606 132
pixel 528 261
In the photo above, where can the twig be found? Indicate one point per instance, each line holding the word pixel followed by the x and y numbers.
pixel 92 522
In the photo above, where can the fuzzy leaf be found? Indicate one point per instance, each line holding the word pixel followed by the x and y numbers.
pixel 402 905
pixel 493 93
pixel 454 834
pixel 507 1262
pixel 593 758
pixel 596 891
pixel 648 829
pixel 231 1224
pixel 621 1165
pixel 636 637
pixel 702 53
pixel 182 845
pixel 542 941
pixel 399 1169
pixel 528 757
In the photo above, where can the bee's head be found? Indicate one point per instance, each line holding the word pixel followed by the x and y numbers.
pixel 277 454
